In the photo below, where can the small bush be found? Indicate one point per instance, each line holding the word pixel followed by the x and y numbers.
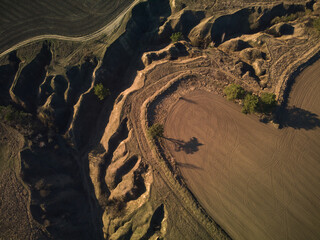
pixel 267 102
pixel 316 24
pixel 250 103
pixel 287 18
pixel 12 115
pixel 101 92
pixel 175 37
pixel 234 91
pixel 156 131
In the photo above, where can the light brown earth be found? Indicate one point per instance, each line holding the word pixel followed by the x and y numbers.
pixel 258 182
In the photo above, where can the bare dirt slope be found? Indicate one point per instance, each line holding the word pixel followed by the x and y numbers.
pixel 16 221
pixel 258 182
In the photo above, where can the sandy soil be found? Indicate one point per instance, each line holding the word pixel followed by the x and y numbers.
pixel 256 181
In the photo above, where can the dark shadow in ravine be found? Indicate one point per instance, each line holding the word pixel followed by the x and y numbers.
pixel 188 147
pixel 298 118
pixel 188 165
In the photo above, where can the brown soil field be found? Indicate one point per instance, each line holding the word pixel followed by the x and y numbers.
pixel 256 181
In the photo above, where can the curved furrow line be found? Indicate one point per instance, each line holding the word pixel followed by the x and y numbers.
pixel 107 28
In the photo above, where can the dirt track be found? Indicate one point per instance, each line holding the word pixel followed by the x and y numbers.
pixel 256 181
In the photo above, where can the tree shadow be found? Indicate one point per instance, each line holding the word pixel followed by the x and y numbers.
pixel 188 165
pixel 187 100
pixel 189 147
pixel 298 118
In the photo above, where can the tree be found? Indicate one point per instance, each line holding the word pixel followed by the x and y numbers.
pixel 267 102
pixel 250 103
pixel 234 91
pixel 100 91
pixel 175 37
pixel 156 131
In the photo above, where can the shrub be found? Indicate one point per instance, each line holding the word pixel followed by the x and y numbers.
pixel 267 102
pixel 287 18
pixel 234 91
pixel 100 91
pixel 316 24
pixel 175 37
pixel 250 103
pixel 10 114
pixel 156 131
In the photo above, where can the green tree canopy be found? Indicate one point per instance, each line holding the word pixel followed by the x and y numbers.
pixel 100 91
pixel 175 37
pixel 267 102
pixel 156 131
pixel 250 103
pixel 234 91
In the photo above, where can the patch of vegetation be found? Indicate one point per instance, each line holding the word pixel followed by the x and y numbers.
pixel 267 102
pixel 250 103
pixel 156 131
pixel 100 91
pixel 22 121
pixel 2 157
pixel 287 18
pixel 263 104
pixel 12 115
pixel 116 207
pixel 316 24
pixel 234 91
pixel 175 37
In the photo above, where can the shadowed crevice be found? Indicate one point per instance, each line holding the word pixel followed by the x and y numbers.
pixel 114 142
pixel 155 223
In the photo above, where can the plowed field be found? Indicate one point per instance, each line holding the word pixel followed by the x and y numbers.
pixel 256 181
pixel 21 20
